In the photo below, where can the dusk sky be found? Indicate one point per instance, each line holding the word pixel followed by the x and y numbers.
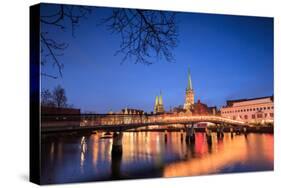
pixel 230 57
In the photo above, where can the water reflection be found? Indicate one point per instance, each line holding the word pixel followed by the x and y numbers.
pixel 83 148
pixel 152 154
pixel 116 166
pixel 244 154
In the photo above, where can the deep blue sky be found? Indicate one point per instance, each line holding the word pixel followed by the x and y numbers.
pixel 230 57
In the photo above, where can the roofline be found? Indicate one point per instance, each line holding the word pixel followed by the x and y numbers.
pixel 249 99
pixel 230 103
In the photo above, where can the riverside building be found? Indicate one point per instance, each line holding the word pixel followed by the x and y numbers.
pixel 253 111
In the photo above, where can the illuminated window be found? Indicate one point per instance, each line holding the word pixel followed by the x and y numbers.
pixel 246 117
pixel 253 116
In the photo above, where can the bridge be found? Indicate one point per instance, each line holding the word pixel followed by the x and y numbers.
pixel 118 123
pixel 136 121
pixel 122 122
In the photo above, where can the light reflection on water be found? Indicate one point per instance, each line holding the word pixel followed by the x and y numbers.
pixel 146 154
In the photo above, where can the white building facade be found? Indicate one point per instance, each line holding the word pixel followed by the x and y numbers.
pixel 253 111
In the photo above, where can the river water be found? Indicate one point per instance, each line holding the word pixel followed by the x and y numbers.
pixel 80 158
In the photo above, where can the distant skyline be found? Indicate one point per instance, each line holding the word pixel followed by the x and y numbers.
pixel 229 57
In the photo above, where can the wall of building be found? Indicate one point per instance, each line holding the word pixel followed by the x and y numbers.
pixel 256 111
pixel 53 110
pixel 58 117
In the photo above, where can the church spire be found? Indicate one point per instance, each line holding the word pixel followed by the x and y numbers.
pixel 189 87
pixel 160 99
pixel 189 94
pixel 156 101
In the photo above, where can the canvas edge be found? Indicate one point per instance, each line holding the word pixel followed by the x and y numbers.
pixel 34 94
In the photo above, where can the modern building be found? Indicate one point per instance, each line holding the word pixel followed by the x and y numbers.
pixel 55 117
pixel 46 110
pixel 158 106
pixel 189 94
pixel 254 110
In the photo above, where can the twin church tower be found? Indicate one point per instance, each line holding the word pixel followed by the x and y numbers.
pixel 188 102
pixel 158 106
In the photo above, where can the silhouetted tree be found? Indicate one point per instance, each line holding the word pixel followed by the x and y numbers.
pixel 59 97
pixel 47 98
pixel 145 34
pixel 55 99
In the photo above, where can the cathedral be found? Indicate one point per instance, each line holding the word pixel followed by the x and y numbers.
pixel 189 107
pixel 158 106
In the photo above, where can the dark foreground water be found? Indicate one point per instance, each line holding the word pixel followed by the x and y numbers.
pixel 147 155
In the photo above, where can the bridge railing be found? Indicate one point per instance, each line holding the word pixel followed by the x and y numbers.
pixel 153 119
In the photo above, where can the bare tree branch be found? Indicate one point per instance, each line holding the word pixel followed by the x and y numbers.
pixel 144 33
pixel 52 46
pixel 48 75
pixel 63 16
